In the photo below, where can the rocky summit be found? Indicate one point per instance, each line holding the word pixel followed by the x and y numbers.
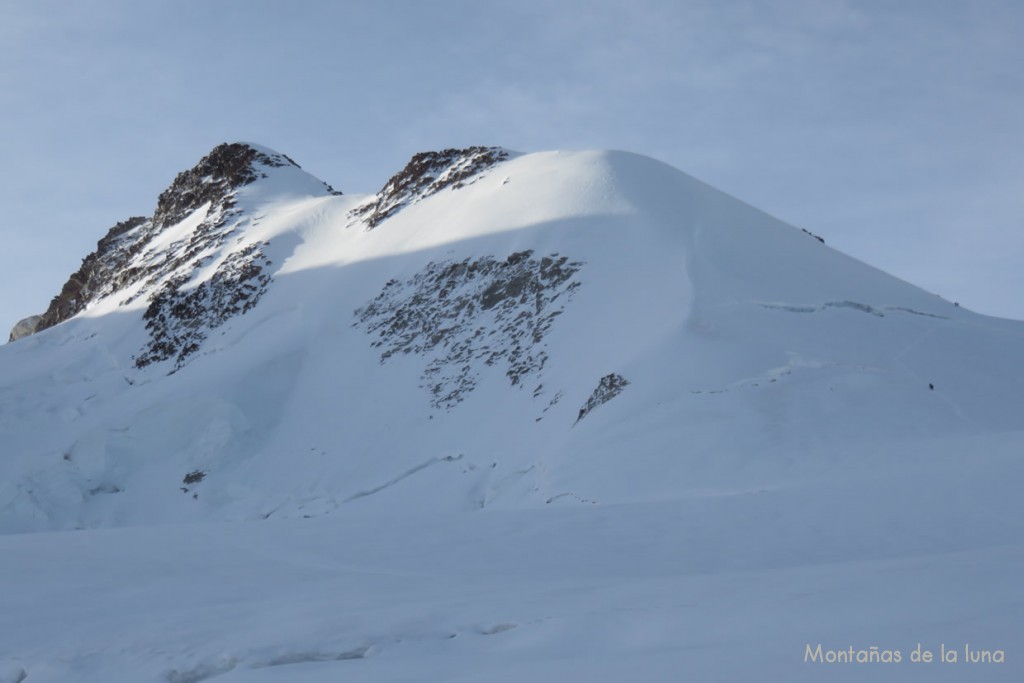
pixel 127 253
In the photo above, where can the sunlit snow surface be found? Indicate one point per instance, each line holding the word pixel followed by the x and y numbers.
pixel 807 451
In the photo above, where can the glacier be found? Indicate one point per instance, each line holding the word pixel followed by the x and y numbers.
pixel 548 416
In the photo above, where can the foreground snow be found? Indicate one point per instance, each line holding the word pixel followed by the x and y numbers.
pixel 719 588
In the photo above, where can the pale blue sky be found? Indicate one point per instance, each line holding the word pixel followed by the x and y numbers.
pixel 892 129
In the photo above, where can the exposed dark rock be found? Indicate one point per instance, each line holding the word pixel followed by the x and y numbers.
pixel 179 316
pixel 225 169
pixel 820 239
pixel 101 272
pixel 608 387
pixel 461 314
pixel 124 256
pixel 428 173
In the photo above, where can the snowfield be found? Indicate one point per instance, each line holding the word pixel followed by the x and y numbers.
pixel 566 416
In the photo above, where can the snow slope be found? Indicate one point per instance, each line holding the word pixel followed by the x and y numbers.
pixel 556 416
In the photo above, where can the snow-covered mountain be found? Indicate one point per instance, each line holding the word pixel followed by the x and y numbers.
pixel 585 351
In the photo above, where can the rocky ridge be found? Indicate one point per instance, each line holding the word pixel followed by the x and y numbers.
pixel 125 256
pixel 451 313
pixel 428 173
pixel 102 272
pixel 182 308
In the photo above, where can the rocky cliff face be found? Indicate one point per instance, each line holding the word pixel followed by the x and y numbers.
pixel 103 271
pixel 124 256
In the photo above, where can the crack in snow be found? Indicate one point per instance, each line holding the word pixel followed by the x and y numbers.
pixel 855 305
pixel 404 475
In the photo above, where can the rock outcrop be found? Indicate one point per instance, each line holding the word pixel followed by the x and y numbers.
pixel 608 387
pixel 102 272
pixel 428 173
pixel 25 327
pixel 124 256
pixel 456 312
